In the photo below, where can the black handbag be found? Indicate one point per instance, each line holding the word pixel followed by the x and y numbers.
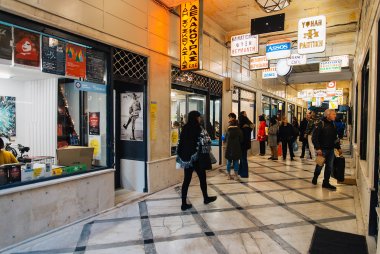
pixel 204 161
pixel 339 168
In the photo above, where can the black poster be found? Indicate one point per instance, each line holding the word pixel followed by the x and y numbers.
pixel 5 42
pixel 53 56
pixel 95 68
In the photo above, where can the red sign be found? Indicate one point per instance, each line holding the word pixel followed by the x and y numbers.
pixel 27 48
pixel 75 61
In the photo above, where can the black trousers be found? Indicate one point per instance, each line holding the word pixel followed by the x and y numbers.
pixel 285 145
pixel 304 145
pixel 187 179
pixel 262 147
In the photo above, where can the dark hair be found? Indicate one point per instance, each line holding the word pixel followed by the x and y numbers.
pixel 273 120
pixel 261 118
pixel 1 143
pixel 232 115
pixel 243 120
pixel 234 122
pixel 192 118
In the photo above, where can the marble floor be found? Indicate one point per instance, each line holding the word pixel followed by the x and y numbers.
pixel 274 211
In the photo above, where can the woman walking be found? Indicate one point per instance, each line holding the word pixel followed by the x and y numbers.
pixel 246 126
pixel 272 138
pixel 261 135
pixel 234 139
pixel 193 145
pixel 286 134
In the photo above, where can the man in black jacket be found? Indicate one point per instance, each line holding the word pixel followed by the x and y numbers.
pixel 325 140
pixel 303 136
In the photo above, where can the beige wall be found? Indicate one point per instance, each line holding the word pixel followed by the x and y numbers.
pixel 367 41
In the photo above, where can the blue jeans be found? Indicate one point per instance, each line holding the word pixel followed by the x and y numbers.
pixel 235 163
pixel 329 163
pixel 243 170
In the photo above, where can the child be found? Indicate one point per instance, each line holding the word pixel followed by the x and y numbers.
pixel 234 138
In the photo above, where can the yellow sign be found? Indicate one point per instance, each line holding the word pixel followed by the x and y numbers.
pixel 191 35
pixel 174 137
pixel 95 142
pixel 153 120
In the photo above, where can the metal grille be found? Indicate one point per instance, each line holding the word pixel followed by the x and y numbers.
pixel 196 81
pixel 129 65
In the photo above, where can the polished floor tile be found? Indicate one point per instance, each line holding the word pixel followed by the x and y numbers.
pixel 274 215
pixel 227 220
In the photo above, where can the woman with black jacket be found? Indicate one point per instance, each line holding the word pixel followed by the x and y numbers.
pixel 246 126
pixel 193 145
pixel 286 134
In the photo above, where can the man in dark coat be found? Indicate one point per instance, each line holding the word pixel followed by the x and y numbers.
pixel 234 139
pixel 303 137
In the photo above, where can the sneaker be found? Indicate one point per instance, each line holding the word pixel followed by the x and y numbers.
pixel 209 200
pixel 315 180
pixel 328 186
pixel 186 207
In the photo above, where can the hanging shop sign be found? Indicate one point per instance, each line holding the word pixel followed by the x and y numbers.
pixel 191 35
pixel 296 59
pixel 345 59
pixel 90 87
pixel 269 73
pixel 6 42
pixel 244 44
pixel 278 49
pixel 95 66
pixel 331 88
pixel 320 93
pixel 339 92
pixel 75 61
pixel 330 66
pixel 53 56
pixel 312 35
pixel 258 62
pixel 27 48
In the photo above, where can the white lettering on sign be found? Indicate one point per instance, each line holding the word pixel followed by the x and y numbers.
pixel 269 73
pixel 259 62
pixel 278 49
pixel 312 35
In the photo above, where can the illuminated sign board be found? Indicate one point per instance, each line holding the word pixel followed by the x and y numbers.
pixel 258 62
pixel 312 35
pixel 330 66
pixel 296 59
pixel 269 73
pixel 191 35
pixel 244 44
pixel 345 59
pixel 278 49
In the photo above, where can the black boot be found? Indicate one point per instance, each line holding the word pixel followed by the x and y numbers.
pixel 185 206
pixel 327 185
pixel 209 200
pixel 315 180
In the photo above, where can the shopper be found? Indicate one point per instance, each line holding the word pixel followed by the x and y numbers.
pixel 303 136
pixel 272 138
pixel 234 139
pixel 325 139
pixel 194 141
pixel 5 156
pixel 286 134
pixel 340 126
pixel 309 133
pixel 261 135
pixel 296 130
pixel 246 126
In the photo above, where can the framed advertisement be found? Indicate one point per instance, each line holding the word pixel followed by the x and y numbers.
pixel 95 66
pixel 8 115
pixel 6 43
pixel 27 48
pixel 132 116
pixel 53 56
pixel 75 61
pixel 94 123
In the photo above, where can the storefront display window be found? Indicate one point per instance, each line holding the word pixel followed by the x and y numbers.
pixel 291 112
pixel 244 100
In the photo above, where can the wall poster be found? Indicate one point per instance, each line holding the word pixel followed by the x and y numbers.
pixel 8 116
pixel 95 142
pixel 95 66
pixel 153 120
pixel 93 123
pixel 75 61
pixel 53 56
pixel 132 116
pixel 5 42
pixel 27 48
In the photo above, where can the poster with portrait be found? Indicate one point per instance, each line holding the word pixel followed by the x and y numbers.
pixel 132 116
pixel 75 61
pixel 27 48
pixel 5 42
pixel 53 55
pixel 8 116
pixel 93 123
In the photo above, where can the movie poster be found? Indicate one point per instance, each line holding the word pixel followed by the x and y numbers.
pixel 93 123
pixel 8 115
pixel 75 61
pixel 53 56
pixel 5 42
pixel 27 48
pixel 95 66
pixel 132 116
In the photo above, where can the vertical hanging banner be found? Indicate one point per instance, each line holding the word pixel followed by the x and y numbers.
pixel 191 35
pixel 5 42
pixel 75 61
pixel 312 35
pixel 27 48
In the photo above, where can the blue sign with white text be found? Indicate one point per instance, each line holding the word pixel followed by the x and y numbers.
pixel 90 87
pixel 278 47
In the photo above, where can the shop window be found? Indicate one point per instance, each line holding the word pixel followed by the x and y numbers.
pixel 243 100
pixel 364 109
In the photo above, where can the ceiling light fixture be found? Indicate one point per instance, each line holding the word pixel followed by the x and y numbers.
pixel 5 75
pixel 273 5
